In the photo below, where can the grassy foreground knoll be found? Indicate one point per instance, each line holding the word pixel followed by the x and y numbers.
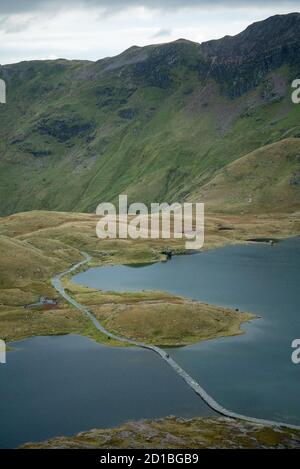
pixel 175 432
pixel 36 245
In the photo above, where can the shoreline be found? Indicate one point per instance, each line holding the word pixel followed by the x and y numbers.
pixel 193 384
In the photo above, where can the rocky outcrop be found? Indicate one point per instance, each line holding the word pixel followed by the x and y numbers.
pixel 64 128
pixel 180 433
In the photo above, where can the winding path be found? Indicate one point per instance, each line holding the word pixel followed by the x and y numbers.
pixel 194 385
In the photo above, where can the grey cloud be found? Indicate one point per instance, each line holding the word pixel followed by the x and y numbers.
pixel 162 33
pixel 21 6
pixel 9 27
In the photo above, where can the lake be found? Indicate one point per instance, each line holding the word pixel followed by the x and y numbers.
pixel 251 374
pixel 62 385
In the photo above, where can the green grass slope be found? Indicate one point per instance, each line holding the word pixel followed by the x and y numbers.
pixel 156 123
pixel 266 180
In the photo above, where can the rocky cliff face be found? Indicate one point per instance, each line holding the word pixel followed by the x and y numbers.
pixel 241 62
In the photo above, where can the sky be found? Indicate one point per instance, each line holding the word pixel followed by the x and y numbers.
pixel 94 29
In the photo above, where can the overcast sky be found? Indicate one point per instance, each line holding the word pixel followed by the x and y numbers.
pixel 93 29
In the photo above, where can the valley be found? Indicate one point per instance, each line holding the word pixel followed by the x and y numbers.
pixel 35 246
pixel 214 123
pixel 48 242
pixel 159 123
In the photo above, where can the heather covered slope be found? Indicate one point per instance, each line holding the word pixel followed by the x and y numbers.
pixel 175 432
pixel 156 122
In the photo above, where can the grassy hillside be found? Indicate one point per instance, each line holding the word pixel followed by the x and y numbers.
pixel 265 180
pixel 156 122
pixel 36 245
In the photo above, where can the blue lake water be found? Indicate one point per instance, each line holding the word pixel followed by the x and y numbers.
pixel 62 385
pixel 251 374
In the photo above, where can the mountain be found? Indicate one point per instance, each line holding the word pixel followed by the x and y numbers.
pixel 265 180
pixel 159 123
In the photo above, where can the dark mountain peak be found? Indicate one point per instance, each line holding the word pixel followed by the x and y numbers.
pixel 168 54
pixel 277 37
pixel 241 62
pixel 284 26
pixel 276 31
pixel 181 40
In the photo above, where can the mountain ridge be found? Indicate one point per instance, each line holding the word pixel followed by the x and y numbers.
pixel 155 122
